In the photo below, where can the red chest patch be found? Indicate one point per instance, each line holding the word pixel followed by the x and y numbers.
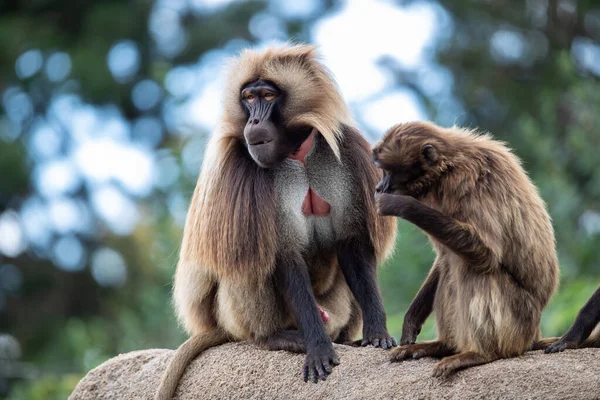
pixel 312 204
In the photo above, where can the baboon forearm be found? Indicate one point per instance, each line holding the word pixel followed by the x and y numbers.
pixel 422 305
pixel 293 280
pixel 357 261
pixel 457 236
pixel 587 319
pixel 420 308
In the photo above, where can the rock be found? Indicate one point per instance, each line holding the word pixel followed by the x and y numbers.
pixel 242 371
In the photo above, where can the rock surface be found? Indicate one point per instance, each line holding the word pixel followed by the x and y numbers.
pixel 242 371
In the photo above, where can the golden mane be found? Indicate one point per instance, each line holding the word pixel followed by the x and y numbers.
pixel 231 224
pixel 312 95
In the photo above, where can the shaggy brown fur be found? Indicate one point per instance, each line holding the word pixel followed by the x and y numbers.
pixel 496 265
pixel 245 220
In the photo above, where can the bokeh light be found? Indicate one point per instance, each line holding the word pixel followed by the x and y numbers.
pixel 29 63
pixel 108 267
pixel 124 60
pixel 58 66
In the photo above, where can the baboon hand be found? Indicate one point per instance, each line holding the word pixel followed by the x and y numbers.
pixel 409 334
pixel 319 363
pixel 560 345
pixel 393 204
pixel 383 340
pixel 408 352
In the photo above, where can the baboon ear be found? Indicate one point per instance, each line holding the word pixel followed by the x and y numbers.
pixel 430 153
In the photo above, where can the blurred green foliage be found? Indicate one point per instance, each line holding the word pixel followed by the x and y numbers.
pixel 544 103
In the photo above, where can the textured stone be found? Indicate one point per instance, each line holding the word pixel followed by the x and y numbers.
pixel 242 371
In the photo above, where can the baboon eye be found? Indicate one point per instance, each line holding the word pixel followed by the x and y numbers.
pixel 250 98
pixel 269 96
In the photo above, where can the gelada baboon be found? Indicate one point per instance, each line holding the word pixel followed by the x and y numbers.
pixel 496 266
pixel 585 331
pixel 282 237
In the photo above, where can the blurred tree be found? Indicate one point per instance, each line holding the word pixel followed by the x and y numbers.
pixel 80 282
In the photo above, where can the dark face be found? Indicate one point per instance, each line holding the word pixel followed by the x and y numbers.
pixel 268 138
pixel 408 165
pixel 397 180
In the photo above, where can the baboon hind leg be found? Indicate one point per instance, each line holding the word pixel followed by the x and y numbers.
pixel 415 351
pixel 288 340
pixel 352 329
pixel 451 364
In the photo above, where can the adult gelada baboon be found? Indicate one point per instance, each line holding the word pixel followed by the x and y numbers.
pixel 282 237
pixel 496 265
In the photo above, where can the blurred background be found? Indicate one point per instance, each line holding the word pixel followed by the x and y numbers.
pixel 106 107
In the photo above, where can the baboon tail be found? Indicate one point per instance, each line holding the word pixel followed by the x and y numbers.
pixel 189 350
